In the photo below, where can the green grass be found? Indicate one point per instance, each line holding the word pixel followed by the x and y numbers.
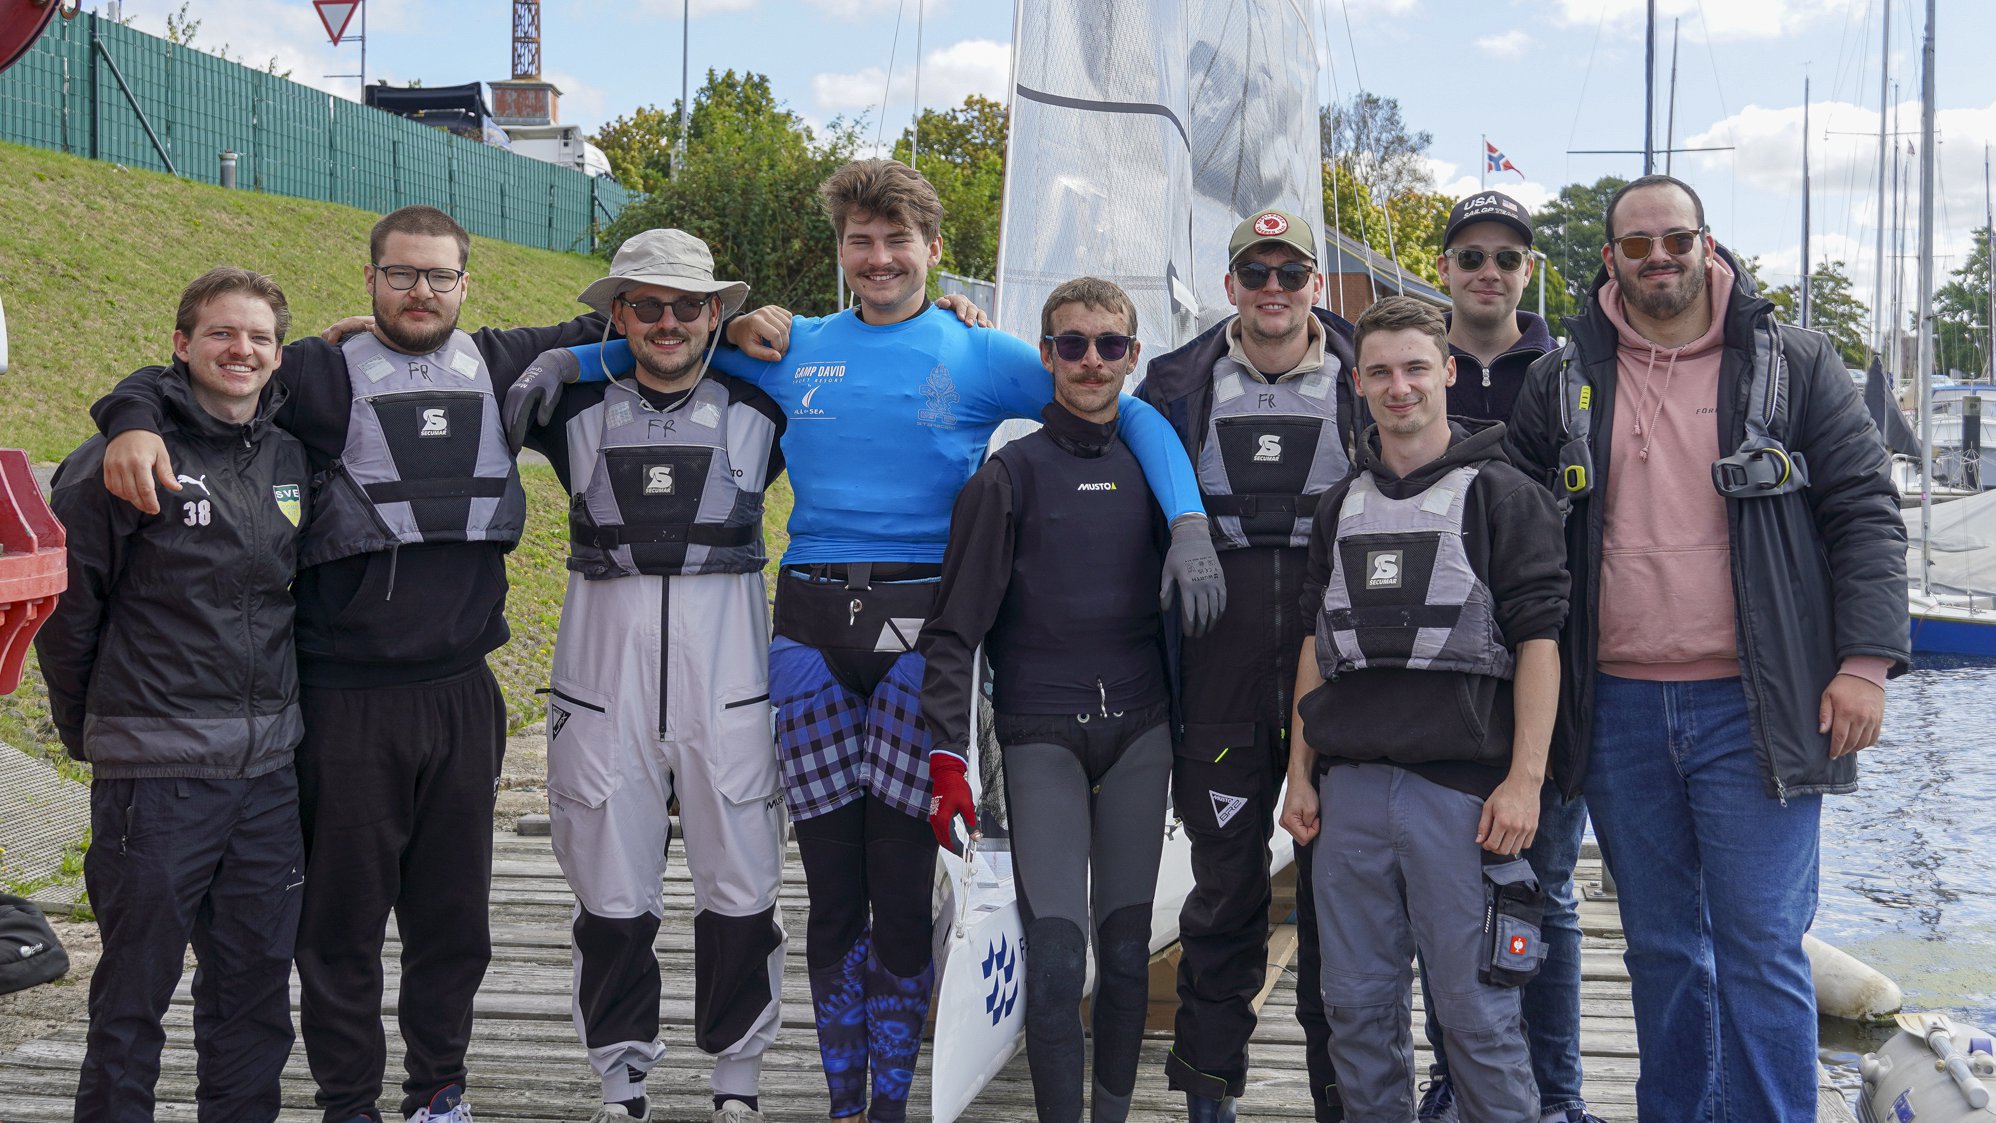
pixel 94 258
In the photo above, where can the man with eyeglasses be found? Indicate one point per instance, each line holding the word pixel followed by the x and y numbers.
pixel 1265 411
pixel 401 593
pixel 1486 262
pixel 1738 566
pixel 660 691
pixel 1055 545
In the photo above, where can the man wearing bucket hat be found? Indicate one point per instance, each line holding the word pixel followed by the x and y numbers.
pixel 661 679
pixel 1264 407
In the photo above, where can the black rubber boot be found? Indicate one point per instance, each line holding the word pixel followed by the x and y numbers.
pixel 1200 1109
pixel 1056 966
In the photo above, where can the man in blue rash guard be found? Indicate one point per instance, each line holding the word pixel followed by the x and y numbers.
pixel 889 409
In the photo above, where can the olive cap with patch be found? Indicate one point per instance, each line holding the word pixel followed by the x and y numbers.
pixel 1272 228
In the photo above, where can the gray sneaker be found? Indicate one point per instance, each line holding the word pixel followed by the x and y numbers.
pixel 735 1111
pixel 618 1113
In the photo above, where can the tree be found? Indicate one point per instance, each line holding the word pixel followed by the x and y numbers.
pixel 1959 306
pixel 1570 232
pixel 1367 134
pixel 963 155
pixel 1833 310
pixel 748 185
pixel 641 146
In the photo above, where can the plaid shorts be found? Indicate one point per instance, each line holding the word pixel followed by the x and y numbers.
pixel 836 745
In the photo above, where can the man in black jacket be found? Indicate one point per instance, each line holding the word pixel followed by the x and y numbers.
pixel 1425 703
pixel 1739 597
pixel 401 593
pixel 1486 262
pixel 170 670
pixel 1264 405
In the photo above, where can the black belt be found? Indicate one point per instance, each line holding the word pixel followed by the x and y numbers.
pixel 402 491
pixel 855 609
pixel 696 534
pixel 1250 506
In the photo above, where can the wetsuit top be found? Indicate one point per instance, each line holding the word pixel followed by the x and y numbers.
pixel 915 404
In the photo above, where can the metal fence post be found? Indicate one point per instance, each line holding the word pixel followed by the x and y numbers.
pixel 95 101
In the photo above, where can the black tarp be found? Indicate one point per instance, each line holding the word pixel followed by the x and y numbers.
pixel 1899 438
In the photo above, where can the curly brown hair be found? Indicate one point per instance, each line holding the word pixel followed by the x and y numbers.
pixel 886 189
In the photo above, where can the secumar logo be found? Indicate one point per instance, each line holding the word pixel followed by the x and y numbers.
pixel 1270 224
pixel 816 378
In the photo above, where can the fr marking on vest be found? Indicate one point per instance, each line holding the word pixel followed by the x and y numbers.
pixel 436 423
pixel 1382 569
pixel 658 479
pixel 1225 806
pixel 1269 449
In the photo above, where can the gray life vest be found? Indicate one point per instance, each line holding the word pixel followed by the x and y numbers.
pixel 670 492
pixel 1402 592
pixel 425 460
pixel 1270 450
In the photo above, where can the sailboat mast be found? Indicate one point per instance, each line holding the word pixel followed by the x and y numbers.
pixel 1989 257
pixel 1670 120
pixel 1926 282
pixel 1649 89
pixel 1806 286
pixel 1878 282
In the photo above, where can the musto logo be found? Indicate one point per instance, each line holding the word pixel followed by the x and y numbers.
pixel 1001 970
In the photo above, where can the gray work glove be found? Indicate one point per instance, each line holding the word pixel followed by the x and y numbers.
pixel 531 400
pixel 1192 569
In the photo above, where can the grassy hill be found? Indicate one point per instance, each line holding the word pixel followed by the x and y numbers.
pixel 92 260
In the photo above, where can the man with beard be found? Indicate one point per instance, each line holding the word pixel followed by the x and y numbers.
pixel 661 680
pixel 1486 262
pixel 401 593
pixel 1264 408
pixel 1739 580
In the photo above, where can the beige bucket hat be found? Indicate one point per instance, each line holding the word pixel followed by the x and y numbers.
pixel 673 259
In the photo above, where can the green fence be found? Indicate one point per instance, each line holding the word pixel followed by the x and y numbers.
pixel 96 88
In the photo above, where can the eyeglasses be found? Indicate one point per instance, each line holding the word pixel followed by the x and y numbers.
pixel 1635 247
pixel 1071 346
pixel 686 309
pixel 1469 260
pixel 1293 275
pixel 402 278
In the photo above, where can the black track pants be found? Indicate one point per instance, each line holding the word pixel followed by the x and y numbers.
pixel 396 788
pixel 217 862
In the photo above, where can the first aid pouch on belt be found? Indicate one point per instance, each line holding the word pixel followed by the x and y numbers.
pixel 1513 909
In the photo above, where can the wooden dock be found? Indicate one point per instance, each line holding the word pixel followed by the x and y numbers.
pixel 526 1063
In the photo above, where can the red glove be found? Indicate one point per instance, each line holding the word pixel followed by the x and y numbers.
pixel 951 798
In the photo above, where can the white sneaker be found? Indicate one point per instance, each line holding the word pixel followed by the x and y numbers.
pixel 447 1106
pixel 735 1111
pixel 617 1113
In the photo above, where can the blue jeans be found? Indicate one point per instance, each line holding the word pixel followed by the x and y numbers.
pixel 1552 1000
pixel 1718 883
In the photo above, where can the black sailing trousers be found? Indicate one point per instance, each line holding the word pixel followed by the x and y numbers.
pixel 217 862
pixel 396 788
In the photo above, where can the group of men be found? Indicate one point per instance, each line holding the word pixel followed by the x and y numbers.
pixel 1415 602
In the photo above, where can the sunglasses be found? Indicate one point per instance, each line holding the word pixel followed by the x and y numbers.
pixel 686 309
pixel 402 278
pixel 1469 261
pixel 1071 346
pixel 1292 275
pixel 1635 247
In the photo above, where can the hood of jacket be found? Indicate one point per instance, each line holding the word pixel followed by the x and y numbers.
pixel 186 416
pixel 1470 442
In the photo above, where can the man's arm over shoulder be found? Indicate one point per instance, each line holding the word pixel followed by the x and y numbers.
pixel 977 568
pixel 1856 508
pixel 509 351
pixel 99 527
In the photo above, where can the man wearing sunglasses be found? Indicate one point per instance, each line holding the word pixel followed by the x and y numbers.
pixel 660 689
pixel 1486 262
pixel 1264 407
pixel 401 592
pixel 1739 582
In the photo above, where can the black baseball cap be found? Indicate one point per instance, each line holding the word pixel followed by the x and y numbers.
pixel 1489 206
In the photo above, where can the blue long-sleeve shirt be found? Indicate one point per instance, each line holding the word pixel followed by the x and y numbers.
pixel 887 423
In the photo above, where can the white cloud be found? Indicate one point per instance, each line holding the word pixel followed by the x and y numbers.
pixel 949 74
pixel 1510 44
pixel 1720 19
pixel 856 11
pixel 1361 9
pixel 1530 193
pixel 674 9
pixel 581 103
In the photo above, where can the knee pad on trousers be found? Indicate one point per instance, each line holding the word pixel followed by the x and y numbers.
pixel 1122 995
pixel 1056 966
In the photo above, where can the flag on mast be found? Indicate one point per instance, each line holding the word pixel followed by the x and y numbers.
pixel 1496 161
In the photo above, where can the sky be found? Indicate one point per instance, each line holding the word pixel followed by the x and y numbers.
pixel 1540 78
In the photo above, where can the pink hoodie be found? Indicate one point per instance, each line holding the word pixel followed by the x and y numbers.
pixel 1666 557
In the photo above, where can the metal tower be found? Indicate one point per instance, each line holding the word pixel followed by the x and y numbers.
pixel 526 39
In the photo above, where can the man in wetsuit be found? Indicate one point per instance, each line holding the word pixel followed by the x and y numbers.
pixel 889 408
pixel 1054 547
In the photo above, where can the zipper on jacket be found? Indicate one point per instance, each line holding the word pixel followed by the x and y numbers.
pixel 664 651
pixel 252 537
pixel 339 469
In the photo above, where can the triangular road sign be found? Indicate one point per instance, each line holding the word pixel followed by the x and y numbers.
pixel 336 14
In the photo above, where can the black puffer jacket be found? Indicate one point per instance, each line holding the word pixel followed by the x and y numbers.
pixel 171 652
pixel 1818 574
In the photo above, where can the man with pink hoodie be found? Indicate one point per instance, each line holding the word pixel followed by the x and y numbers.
pixel 1738 567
